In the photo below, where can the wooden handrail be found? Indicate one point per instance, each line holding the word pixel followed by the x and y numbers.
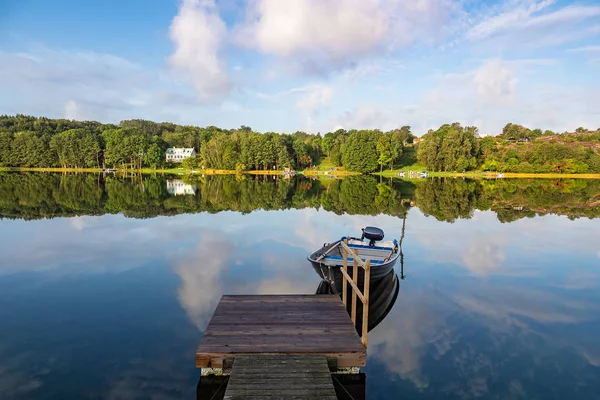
pixel 353 286
pixel 356 292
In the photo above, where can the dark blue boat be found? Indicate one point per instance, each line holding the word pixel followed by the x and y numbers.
pixel 382 254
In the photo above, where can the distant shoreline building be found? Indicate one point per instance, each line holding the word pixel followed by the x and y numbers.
pixel 177 187
pixel 177 155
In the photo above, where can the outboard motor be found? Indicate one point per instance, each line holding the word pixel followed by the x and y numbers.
pixel 373 234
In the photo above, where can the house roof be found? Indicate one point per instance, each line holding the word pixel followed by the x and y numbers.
pixel 184 150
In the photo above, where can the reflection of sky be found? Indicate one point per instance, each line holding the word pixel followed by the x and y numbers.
pixel 116 305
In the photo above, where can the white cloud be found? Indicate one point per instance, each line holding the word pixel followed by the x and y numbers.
pixel 566 14
pixel 321 34
pixel 307 26
pixel 495 82
pixel 79 223
pixel 507 20
pixel 201 277
pixel 492 94
pixel 198 33
pixel 400 341
pixel 488 95
pixel 82 85
pixel 367 117
pixel 471 98
pixel 527 25
pixel 485 254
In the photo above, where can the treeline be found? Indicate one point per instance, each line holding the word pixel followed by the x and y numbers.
pixel 37 195
pixel 449 199
pixel 27 141
pixel 516 149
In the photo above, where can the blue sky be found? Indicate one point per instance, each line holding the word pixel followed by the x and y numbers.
pixel 313 65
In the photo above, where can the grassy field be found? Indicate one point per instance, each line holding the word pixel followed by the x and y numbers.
pixel 324 167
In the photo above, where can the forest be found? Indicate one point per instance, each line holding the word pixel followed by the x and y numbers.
pixel 48 195
pixel 27 141
pixel 517 149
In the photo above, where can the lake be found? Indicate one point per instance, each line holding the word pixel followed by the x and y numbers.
pixel 107 282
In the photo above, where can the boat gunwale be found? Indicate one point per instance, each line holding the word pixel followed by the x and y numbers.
pixel 314 255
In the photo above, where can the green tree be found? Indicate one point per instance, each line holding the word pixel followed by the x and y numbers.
pixel 5 149
pixel 327 143
pixel 115 153
pixel 359 152
pixel 336 155
pixel 303 159
pixel 190 163
pixel 384 149
pixel 397 140
pixel 450 148
pixel 487 148
pixel 76 148
pixel 154 157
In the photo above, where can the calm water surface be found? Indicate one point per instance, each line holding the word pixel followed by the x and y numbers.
pixel 109 299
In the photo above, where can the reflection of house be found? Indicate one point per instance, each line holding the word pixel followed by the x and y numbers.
pixel 175 154
pixel 178 188
pixel 417 140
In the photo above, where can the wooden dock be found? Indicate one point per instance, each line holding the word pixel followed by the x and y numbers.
pixel 281 325
pixel 286 346
pixel 280 377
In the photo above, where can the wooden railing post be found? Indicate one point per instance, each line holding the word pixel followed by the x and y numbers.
pixel 344 289
pixel 367 286
pixel 355 280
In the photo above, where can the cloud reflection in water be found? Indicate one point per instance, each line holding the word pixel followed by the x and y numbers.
pixel 488 309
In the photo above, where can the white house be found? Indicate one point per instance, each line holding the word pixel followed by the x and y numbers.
pixel 177 187
pixel 175 154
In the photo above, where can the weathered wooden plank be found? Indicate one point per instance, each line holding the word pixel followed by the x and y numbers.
pixel 298 377
pixel 280 324
pixel 260 328
pixel 342 360
pixel 254 349
pixel 277 338
pixel 294 298
pixel 290 319
pixel 279 305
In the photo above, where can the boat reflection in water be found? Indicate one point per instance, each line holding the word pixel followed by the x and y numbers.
pixel 382 294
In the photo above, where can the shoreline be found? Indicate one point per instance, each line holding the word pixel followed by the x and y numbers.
pixel 491 175
pixel 313 173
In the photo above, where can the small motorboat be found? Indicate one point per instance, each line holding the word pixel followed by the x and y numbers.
pixel 382 254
